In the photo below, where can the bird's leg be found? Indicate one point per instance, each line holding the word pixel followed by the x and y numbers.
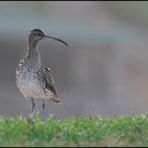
pixel 43 110
pixel 32 114
pixel 43 105
pixel 33 104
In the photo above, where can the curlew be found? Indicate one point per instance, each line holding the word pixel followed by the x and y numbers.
pixel 32 79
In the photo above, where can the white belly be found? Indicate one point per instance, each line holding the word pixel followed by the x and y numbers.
pixel 33 89
pixel 30 88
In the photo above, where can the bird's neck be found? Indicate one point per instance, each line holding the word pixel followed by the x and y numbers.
pixel 33 53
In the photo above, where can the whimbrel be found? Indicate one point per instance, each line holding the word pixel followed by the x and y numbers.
pixel 32 79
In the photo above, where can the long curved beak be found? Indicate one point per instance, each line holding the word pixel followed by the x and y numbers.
pixel 57 39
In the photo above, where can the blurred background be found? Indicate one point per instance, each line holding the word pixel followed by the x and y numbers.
pixel 104 71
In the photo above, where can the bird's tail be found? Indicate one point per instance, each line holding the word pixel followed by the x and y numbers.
pixel 55 99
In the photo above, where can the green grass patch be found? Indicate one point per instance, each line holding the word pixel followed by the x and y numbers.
pixel 78 131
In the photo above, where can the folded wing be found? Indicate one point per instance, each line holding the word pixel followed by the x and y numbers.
pixel 49 80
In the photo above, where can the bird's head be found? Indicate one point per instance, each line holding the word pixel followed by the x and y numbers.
pixel 37 34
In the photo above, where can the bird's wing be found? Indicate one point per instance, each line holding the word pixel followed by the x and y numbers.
pixel 49 79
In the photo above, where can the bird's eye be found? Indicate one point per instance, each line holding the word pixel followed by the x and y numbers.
pixel 36 34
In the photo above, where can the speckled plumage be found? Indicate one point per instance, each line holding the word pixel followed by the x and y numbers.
pixel 32 79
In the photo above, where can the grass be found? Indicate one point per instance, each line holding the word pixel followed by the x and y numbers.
pixel 78 131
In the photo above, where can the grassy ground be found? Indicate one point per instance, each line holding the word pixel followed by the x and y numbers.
pixel 77 131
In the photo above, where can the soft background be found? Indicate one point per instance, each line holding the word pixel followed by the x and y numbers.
pixel 103 72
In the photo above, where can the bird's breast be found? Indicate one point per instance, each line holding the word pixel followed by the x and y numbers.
pixel 27 82
pixel 30 84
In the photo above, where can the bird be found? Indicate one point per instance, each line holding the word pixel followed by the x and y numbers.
pixel 33 80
